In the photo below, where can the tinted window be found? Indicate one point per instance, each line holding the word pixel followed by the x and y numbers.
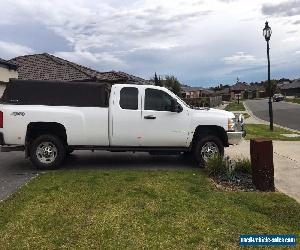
pixel 157 100
pixel 129 98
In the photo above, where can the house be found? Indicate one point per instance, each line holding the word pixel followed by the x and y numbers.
pixel 224 93
pixel 7 70
pixel 49 67
pixel 242 90
pixel 292 88
pixel 195 92
pixel 199 97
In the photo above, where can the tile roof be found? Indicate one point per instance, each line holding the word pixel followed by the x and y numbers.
pixel 292 85
pixel 48 67
pixel 188 88
pixel 239 86
pixel 8 64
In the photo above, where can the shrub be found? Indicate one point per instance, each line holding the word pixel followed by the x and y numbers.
pixel 216 166
pixel 243 166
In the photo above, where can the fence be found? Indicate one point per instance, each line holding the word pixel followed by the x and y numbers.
pixel 204 101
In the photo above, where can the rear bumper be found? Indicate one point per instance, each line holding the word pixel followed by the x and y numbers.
pixel 7 148
pixel 235 137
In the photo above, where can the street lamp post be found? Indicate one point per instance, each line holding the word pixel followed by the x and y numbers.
pixel 267 32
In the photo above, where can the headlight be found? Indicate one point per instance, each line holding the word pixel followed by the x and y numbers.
pixel 231 124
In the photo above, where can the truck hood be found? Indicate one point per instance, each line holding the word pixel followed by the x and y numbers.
pixel 213 112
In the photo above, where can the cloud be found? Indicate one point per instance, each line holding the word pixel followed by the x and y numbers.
pixel 241 58
pixel 288 8
pixel 227 1
pixel 289 39
pixel 105 59
pixel 10 49
pixel 296 22
pixel 194 40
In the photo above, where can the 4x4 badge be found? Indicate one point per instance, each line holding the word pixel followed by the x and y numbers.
pixel 18 114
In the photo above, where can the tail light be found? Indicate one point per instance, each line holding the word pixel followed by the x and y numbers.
pixel 1 119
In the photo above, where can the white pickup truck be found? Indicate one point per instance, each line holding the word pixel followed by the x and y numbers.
pixel 48 120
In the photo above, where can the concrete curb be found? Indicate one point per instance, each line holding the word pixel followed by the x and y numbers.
pixel 291 103
pixel 264 122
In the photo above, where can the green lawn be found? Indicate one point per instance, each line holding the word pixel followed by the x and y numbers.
pixel 138 209
pixel 246 115
pixel 263 131
pixel 233 106
pixel 295 100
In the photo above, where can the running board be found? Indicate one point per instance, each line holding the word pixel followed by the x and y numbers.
pixel 12 148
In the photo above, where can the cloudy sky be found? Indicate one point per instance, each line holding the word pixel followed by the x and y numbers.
pixel 202 42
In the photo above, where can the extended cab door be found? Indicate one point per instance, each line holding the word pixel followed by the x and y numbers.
pixel 125 116
pixel 161 127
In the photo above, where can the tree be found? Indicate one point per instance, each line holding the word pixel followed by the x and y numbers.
pixel 172 83
pixel 156 81
pixel 274 87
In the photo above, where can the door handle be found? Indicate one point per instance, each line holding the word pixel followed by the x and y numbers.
pixel 150 117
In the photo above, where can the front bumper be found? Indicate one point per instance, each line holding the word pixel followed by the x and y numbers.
pixel 235 137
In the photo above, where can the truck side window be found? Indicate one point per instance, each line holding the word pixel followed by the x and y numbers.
pixel 157 100
pixel 129 98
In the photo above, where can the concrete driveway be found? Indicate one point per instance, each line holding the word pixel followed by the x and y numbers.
pixel 15 170
pixel 286 164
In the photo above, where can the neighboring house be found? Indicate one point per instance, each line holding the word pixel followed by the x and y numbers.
pixel 224 93
pixel 199 97
pixel 7 70
pixel 48 67
pixel 238 90
pixel 291 89
pixel 245 91
pixel 195 92
pixel 259 91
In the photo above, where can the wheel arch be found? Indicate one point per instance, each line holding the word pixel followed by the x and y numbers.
pixel 36 129
pixel 211 130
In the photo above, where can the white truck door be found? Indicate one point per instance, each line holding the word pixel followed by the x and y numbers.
pixel 125 116
pixel 160 126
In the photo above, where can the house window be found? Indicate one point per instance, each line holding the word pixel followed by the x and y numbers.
pixel 129 98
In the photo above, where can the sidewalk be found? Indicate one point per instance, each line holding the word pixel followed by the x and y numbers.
pixel 286 164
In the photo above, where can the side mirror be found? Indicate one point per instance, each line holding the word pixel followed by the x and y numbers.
pixel 175 106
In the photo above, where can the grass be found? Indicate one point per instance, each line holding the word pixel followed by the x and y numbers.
pixel 233 106
pixel 294 100
pixel 263 131
pixel 246 115
pixel 138 209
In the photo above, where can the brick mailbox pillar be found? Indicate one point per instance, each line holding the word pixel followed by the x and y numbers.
pixel 261 151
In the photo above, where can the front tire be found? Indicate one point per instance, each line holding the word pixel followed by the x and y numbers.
pixel 47 152
pixel 206 147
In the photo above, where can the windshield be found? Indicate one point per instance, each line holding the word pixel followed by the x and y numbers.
pixel 182 101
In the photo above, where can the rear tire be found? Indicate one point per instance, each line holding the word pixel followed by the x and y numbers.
pixel 47 152
pixel 205 147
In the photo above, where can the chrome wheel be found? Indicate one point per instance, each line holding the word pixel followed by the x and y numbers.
pixel 208 150
pixel 46 152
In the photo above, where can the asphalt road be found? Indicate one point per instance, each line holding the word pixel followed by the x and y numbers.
pixel 15 170
pixel 285 114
